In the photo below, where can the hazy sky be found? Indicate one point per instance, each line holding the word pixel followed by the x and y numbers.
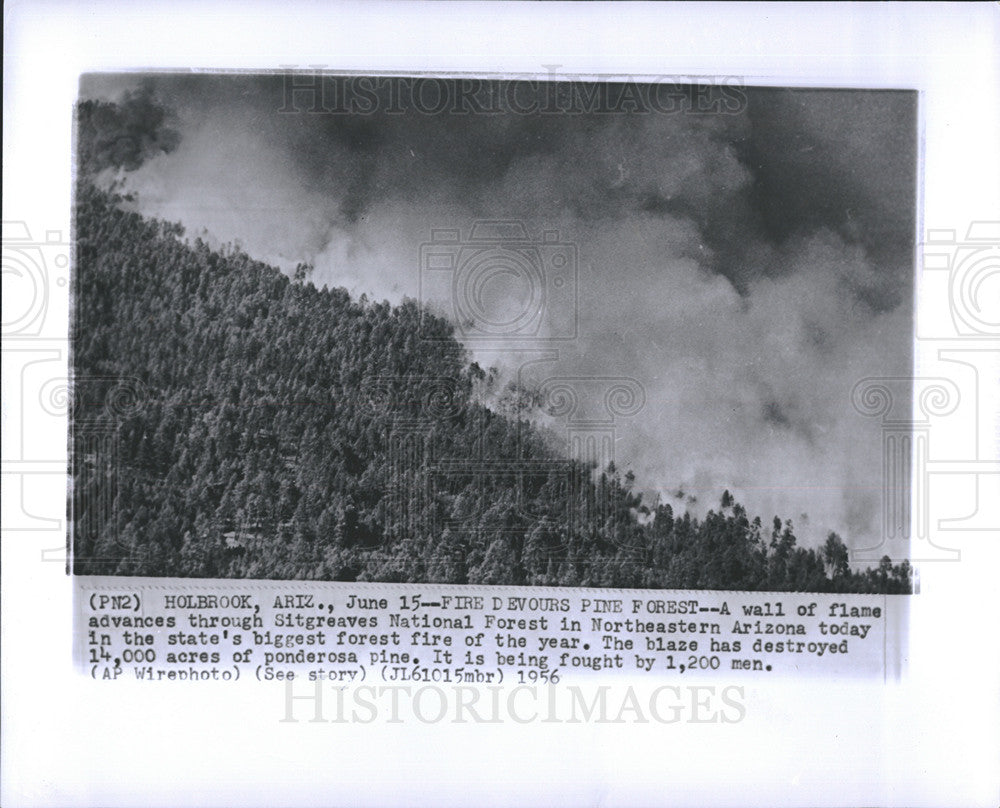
pixel 745 265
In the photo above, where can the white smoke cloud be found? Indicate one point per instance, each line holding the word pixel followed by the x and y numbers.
pixel 745 389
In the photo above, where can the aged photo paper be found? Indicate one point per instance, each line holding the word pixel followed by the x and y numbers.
pixel 546 431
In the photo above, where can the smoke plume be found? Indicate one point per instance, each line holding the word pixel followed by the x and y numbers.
pixel 745 267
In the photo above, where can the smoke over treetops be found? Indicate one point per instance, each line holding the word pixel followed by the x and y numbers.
pixel 745 269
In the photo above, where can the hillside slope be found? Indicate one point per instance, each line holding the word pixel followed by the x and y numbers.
pixel 231 422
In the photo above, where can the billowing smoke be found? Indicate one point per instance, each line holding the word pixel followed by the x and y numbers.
pixel 745 269
pixel 122 135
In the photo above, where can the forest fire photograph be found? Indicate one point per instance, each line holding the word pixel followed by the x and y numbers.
pixel 494 331
pixel 535 404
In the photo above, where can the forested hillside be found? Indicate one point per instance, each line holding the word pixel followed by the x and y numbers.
pixel 232 422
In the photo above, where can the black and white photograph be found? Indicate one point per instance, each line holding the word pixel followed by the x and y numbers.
pixel 493 403
pixel 575 332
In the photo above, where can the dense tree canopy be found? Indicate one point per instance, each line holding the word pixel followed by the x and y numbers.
pixel 232 422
